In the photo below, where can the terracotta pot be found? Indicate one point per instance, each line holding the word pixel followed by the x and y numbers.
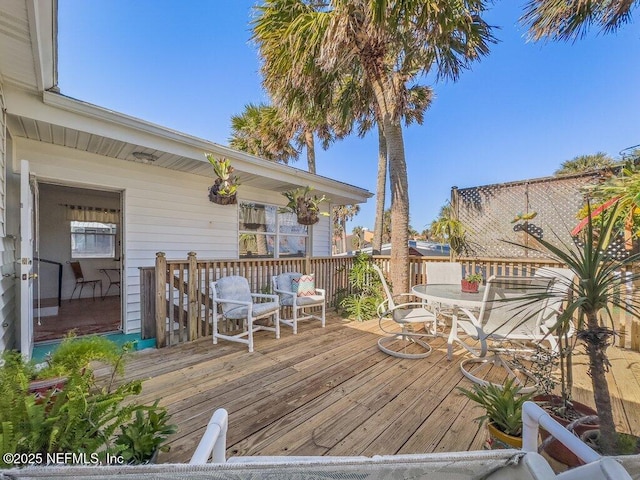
pixel 42 388
pixel 556 449
pixel 469 287
pixel 500 440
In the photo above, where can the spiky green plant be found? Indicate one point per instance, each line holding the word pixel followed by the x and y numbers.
pixel 502 404
pixel 593 297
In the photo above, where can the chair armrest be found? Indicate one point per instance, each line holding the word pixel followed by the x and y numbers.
pixel 409 304
pixel 285 292
pixel 265 295
pixel 233 302
pixel 322 291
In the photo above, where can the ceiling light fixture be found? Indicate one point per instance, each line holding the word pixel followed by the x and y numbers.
pixel 145 157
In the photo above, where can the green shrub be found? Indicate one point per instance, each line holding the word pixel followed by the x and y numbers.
pixel 366 289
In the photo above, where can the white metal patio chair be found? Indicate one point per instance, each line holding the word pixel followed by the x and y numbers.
pixel 513 318
pixel 564 278
pixel 443 273
pixel 282 286
pixel 236 301
pixel 407 315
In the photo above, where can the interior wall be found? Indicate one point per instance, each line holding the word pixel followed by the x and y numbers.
pixel 55 239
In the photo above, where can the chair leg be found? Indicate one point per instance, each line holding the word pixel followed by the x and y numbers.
pixel 277 322
pixel 323 315
pixel 215 326
pixel 74 291
pixel 250 333
pixel 295 319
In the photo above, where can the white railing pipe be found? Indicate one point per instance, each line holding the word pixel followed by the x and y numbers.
pixel 533 416
pixel 213 443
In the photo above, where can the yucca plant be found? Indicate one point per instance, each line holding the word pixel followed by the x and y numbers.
pixel 600 278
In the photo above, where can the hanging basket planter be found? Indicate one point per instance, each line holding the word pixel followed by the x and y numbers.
pixel 222 199
pixel 305 206
pixel 223 191
pixel 308 218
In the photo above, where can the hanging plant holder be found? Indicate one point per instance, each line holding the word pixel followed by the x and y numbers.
pixel 308 218
pixel 221 199
pixel 223 191
pixel 305 206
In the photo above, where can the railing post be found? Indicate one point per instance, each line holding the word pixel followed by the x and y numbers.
pixel 192 296
pixel 161 302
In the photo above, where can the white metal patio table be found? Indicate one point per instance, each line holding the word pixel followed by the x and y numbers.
pixel 469 304
pixel 453 296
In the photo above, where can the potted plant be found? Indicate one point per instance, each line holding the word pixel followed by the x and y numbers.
pixel 471 283
pixel 79 417
pixel 141 439
pixel 591 300
pixel 305 206
pixel 503 411
pixel 72 355
pixel 224 189
pixel 569 413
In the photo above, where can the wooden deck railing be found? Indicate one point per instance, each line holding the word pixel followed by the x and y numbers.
pixel 176 293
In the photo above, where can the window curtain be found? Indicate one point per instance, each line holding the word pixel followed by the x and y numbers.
pixel 253 217
pixel 80 213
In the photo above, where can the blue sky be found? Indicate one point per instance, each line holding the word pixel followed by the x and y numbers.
pixel 518 114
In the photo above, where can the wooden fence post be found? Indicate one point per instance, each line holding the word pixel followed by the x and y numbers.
pixel 193 301
pixel 161 301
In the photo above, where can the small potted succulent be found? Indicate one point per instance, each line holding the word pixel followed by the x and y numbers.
pixel 471 283
pixel 305 206
pixel 224 189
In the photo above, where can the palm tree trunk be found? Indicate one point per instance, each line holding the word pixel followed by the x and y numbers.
pixel 597 370
pixel 343 222
pixel 399 206
pixel 380 191
pixel 311 150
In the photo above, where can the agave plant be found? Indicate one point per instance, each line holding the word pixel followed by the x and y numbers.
pixel 596 292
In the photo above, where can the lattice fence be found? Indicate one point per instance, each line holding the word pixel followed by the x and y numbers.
pixel 493 213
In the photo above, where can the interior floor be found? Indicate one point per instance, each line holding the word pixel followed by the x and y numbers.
pixel 85 316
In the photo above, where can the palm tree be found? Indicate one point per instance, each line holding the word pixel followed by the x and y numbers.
pixel 358 237
pixel 585 163
pixel 393 44
pixel 262 130
pixel 570 19
pixel 342 214
pixel 448 229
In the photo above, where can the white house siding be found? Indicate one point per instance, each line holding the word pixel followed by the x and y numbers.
pixel 7 246
pixel 164 210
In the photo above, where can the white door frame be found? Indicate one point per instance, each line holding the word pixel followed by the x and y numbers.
pixel 26 261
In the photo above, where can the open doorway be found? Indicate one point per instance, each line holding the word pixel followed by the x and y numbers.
pixel 78 262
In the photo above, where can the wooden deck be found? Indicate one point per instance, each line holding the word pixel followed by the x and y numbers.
pixel 332 392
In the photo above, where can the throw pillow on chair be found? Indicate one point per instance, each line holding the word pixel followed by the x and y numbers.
pixel 304 285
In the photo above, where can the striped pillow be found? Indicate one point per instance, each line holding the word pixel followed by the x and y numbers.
pixel 304 285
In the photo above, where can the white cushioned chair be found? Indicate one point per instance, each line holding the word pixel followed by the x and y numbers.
pixel 237 302
pixel 282 286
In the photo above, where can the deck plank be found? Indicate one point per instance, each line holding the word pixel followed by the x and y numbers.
pixel 331 391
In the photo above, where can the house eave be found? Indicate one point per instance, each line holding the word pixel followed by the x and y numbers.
pixel 184 151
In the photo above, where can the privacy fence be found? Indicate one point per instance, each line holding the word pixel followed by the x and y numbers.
pixel 176 298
